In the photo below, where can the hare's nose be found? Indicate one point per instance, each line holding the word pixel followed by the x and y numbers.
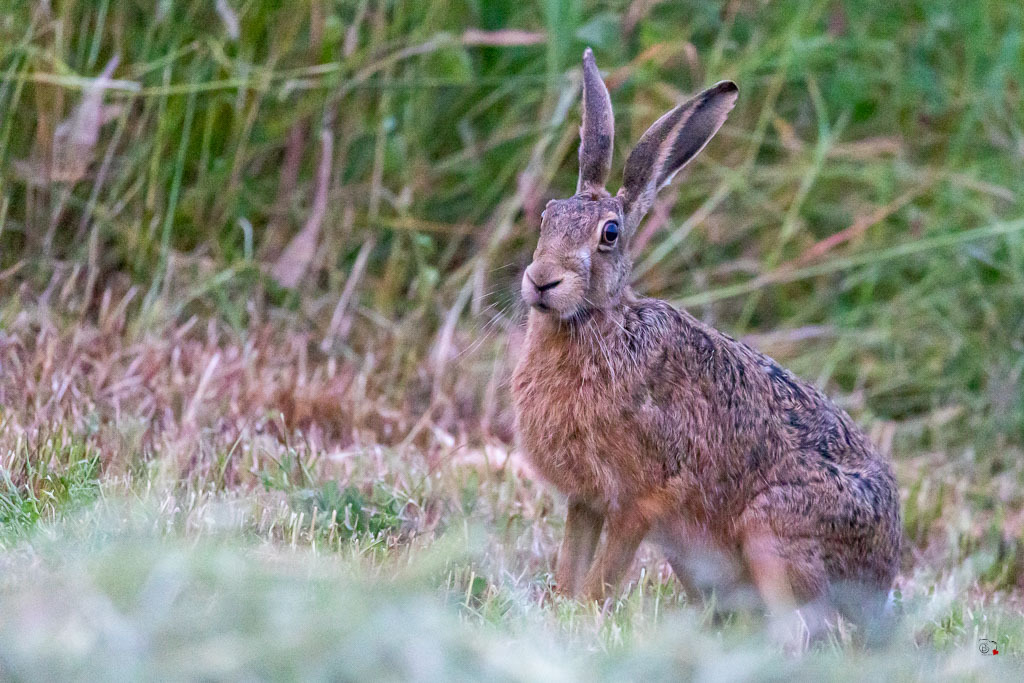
pixel 539 282
pixel 547 285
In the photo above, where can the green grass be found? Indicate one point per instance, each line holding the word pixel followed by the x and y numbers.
pixel 303 446
pixel 199 587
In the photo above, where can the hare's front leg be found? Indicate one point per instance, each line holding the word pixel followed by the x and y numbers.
pixel 626 528
pixel 582 531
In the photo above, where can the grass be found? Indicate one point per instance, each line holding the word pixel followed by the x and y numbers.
pixel 95 604
pixel 258 308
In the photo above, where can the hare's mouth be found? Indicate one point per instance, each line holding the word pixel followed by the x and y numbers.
pixel 578 315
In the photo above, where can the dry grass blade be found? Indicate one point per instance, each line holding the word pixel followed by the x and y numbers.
pixel 230 19
pixel 502 38
pixel 341 321
pixel 292 265
pixel 75 138
pixel 791 274
pixel 857 228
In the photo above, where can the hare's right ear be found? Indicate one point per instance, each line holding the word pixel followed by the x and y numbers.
pixel 670 144
pixel 597 131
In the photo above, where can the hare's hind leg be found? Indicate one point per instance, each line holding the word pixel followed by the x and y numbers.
pixel 866 605
pixel 582 531
pixel 706 571
pixel 790 575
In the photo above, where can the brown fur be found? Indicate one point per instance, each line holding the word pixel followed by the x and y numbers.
pixel 656 425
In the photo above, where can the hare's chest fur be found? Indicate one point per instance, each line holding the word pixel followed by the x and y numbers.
pixel 571 424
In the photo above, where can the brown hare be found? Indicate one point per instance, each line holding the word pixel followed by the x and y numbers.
pixel 657 426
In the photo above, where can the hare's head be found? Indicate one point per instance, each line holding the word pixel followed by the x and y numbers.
pixel 582 259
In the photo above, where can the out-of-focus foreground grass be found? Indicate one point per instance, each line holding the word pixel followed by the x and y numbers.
pixel 258 308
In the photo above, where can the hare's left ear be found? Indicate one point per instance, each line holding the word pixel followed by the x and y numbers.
pixel 670 144
pixel 597 131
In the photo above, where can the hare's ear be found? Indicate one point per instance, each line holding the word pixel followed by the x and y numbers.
pixel 597 131
pixel 670 143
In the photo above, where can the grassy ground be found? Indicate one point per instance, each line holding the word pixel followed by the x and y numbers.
pixel 258 310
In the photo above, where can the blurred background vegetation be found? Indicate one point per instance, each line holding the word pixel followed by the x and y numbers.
pixel 266 250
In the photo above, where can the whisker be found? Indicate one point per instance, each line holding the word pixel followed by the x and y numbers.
pixel 591 328
pixel 488 293
pixel 490 306
pixel 486 331
pixel 604 350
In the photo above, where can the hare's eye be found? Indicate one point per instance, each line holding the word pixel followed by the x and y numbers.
pixel 610 233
